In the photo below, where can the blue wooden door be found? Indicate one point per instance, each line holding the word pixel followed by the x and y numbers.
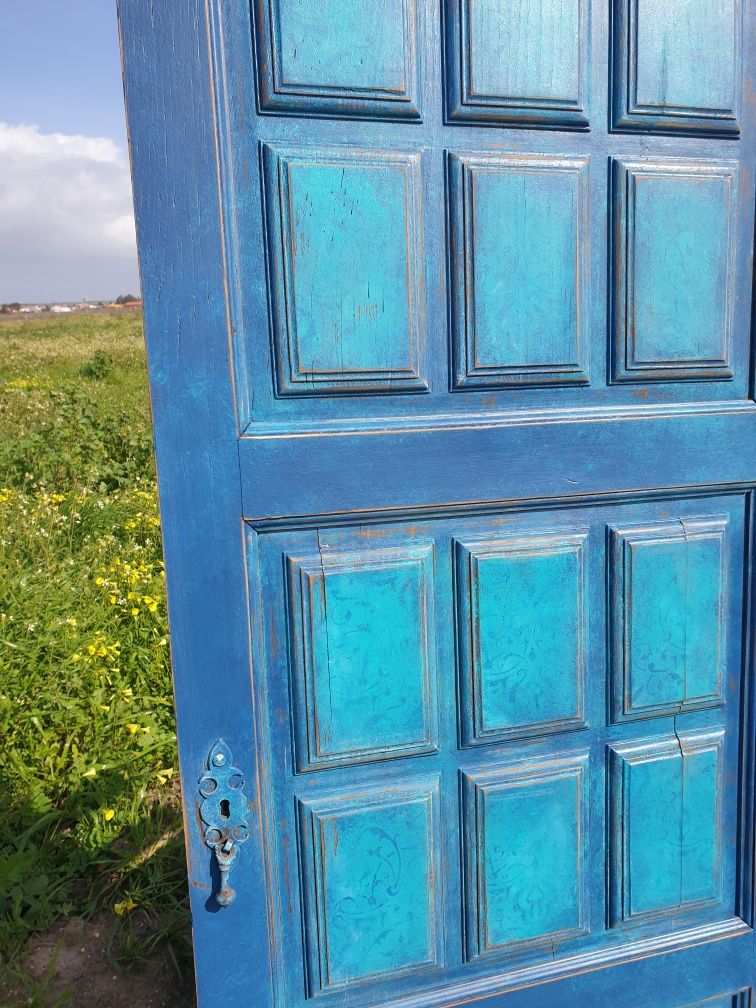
pixel 449 319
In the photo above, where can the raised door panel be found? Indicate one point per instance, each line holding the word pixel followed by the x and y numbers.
pixel 669 597
pixel 496 71
pixel 519 268
pixel 677 66
pixel 525 829
pixel 522 630
pixel 370 879
pixel 667 826
pixel 364 664
pixel 345 250
pixel 674 270
pixel 335 57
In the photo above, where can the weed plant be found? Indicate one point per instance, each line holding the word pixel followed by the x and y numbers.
pixel 88 777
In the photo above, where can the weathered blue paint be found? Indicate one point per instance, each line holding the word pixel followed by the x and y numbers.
pixel 363 655
pixel 670 585
pixel 496 69
pixel 464 580
pixel 346 251
pixel 520 819
pixel 369 866
pixel 520 237
pixel 522 630
pixel 678 66
pixel 674 269
pixel 667 826
pixel 368 68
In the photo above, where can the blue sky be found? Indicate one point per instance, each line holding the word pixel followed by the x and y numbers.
pixel 65 217
pixel 61 67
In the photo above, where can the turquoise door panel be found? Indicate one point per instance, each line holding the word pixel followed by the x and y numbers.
pixel 522 636
pixel 496 73
pixel 346 252
pixel 667 826
pixel 520 237
pixel 367 68
pixel 680 68
pixel 362 643
pixel 370 866
pixel 674 278
pixel 669 583
pixel 449 310
pixel 518 819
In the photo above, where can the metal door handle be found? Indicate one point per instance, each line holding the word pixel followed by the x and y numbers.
pixel 223 811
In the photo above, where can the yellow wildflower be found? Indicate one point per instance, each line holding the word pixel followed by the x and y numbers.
pixel 124 906
pixel 108 814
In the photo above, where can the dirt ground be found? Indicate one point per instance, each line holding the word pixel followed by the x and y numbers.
pixel 83 976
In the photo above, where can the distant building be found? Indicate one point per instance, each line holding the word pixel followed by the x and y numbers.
pixel 61 308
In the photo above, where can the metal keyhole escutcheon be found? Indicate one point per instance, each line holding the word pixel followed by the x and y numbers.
pixel 223 811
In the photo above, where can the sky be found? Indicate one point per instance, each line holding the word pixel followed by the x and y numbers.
pixel 66 217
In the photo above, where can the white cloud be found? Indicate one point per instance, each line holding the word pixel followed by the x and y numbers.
pixel 66 218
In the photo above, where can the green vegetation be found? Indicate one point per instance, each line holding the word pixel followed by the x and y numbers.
pixel 91 816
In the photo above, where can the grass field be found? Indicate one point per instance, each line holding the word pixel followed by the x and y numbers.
pixel 90 819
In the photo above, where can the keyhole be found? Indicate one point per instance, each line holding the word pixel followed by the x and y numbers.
pixel 225 808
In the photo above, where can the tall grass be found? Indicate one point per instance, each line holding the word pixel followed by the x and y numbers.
pixel 88 782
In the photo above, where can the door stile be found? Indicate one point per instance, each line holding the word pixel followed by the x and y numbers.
pixel 166 59
pixel 746 891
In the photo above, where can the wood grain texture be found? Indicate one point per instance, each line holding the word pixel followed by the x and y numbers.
pixel 336 58
pixel 678 65
pixel 669 595
pixel 345 250
pixel 666 826
pixel 522 636
pixel 674 270
pixel 371 875
pixel 526 845
pixel 497 68
pixel 519 264
pixel 173 149
pixel 364 661
pixel 460 791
